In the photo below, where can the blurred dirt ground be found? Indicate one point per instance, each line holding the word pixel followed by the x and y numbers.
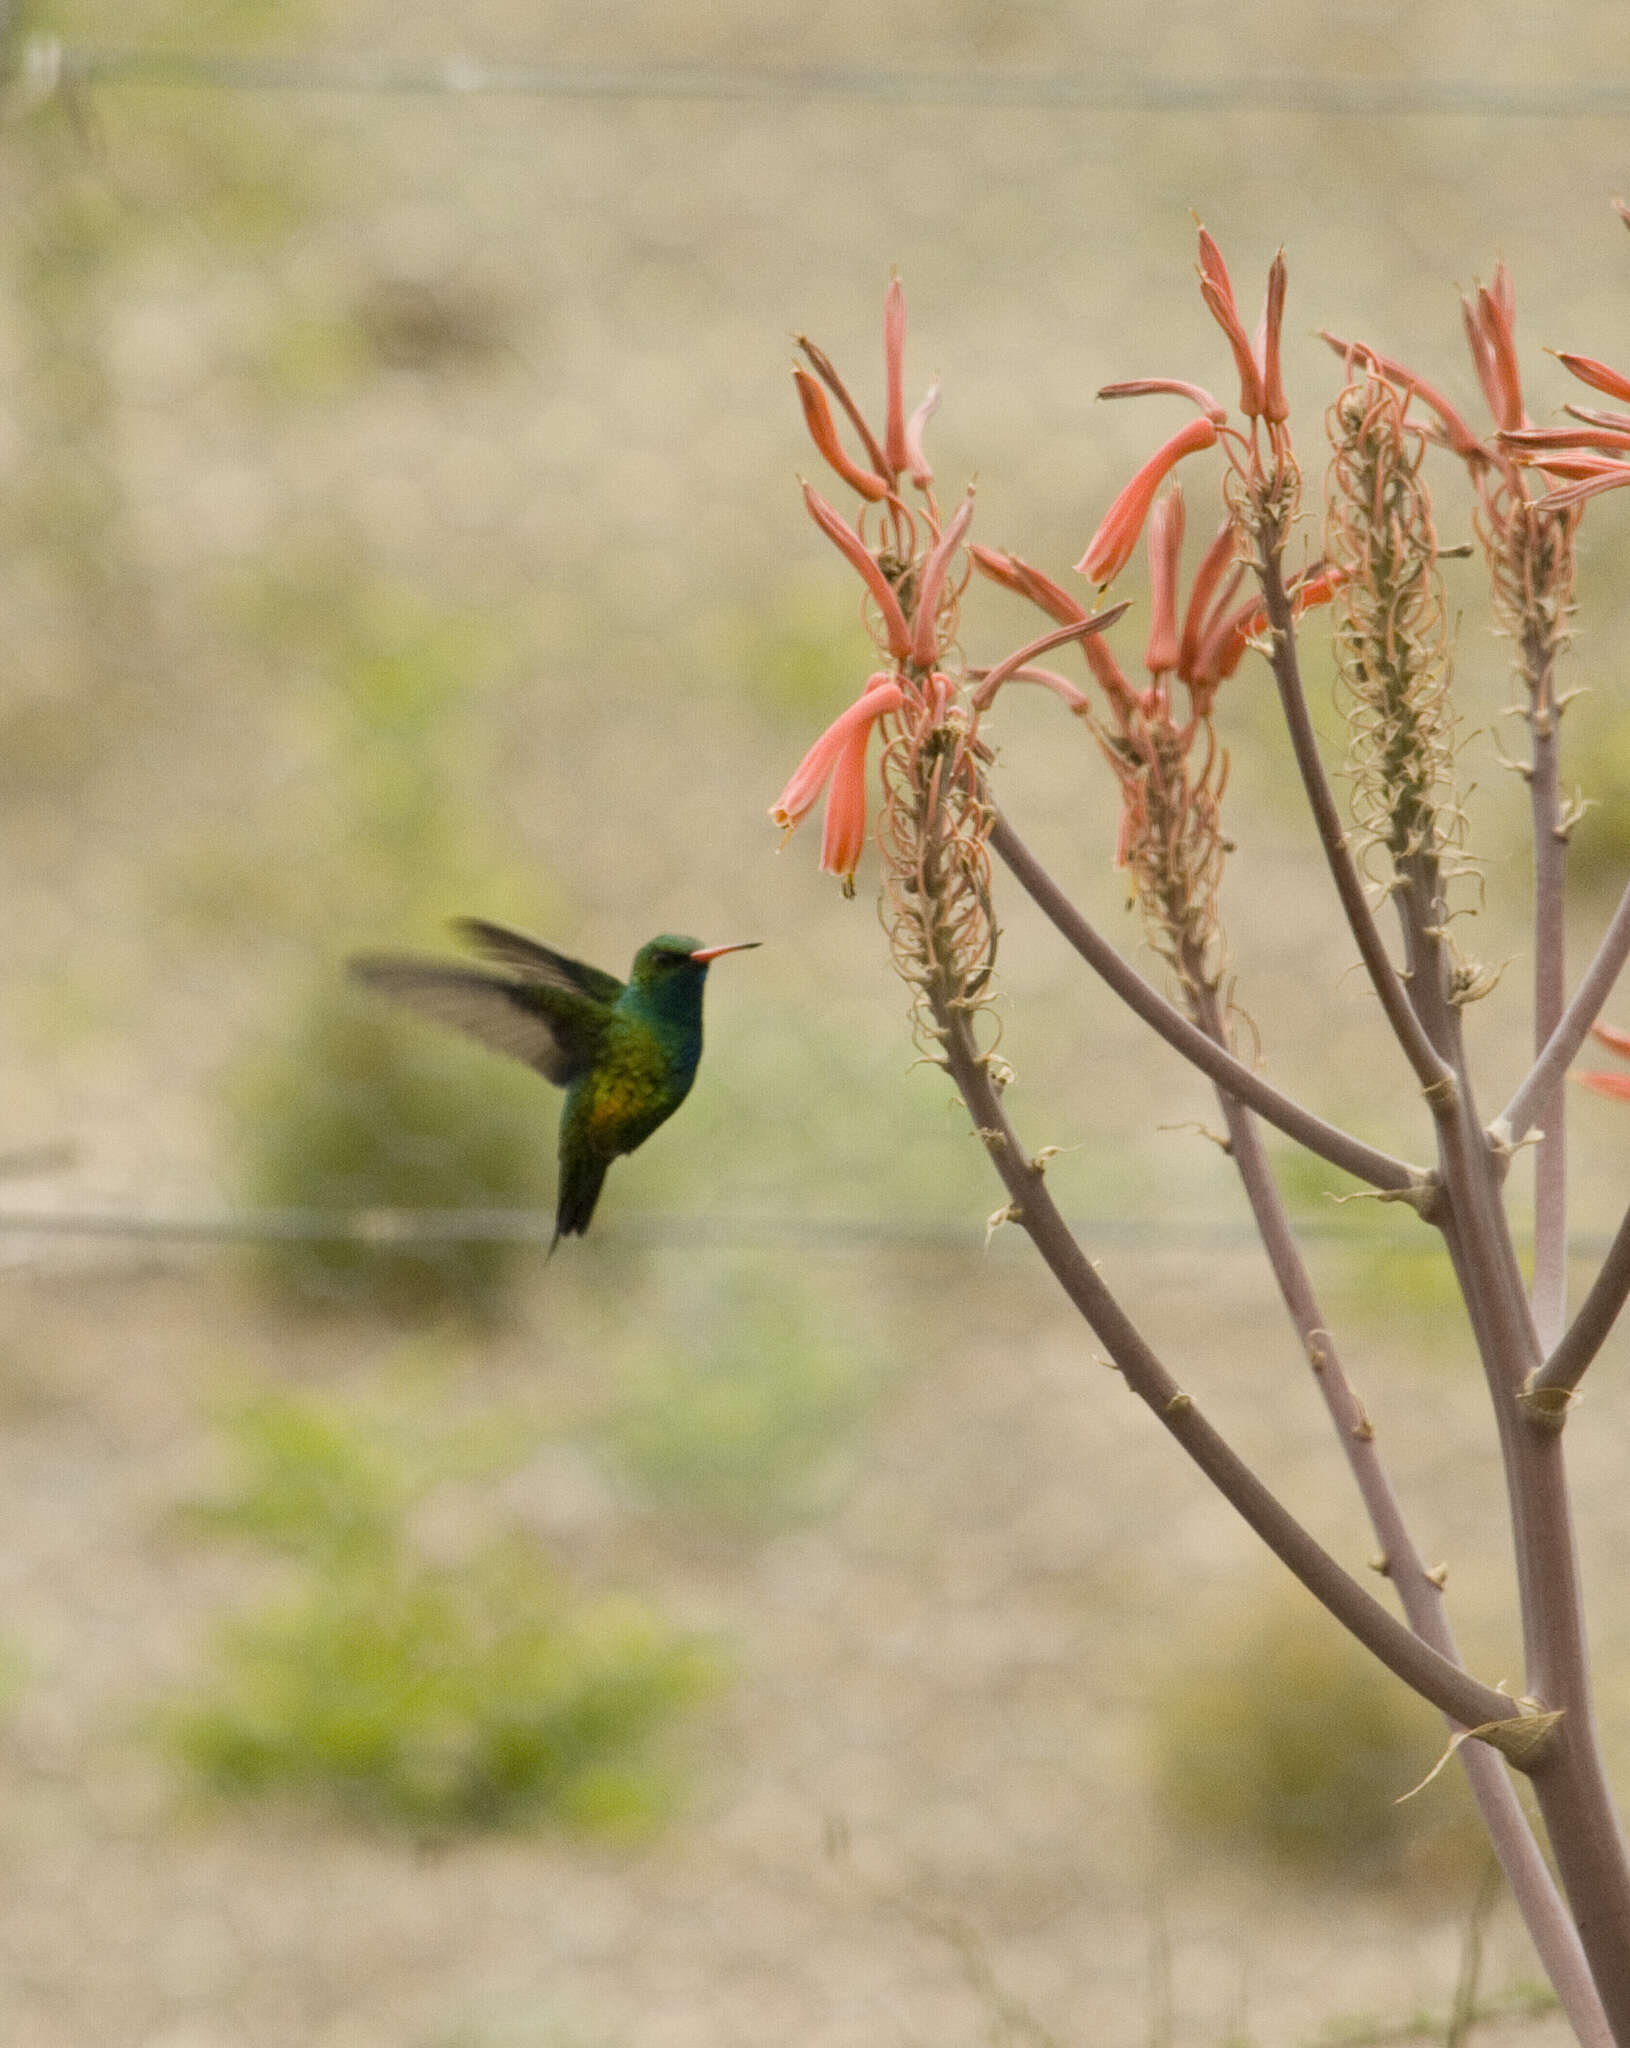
pixel 399 520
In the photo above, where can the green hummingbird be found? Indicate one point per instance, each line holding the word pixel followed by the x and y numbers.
pixel 625 1053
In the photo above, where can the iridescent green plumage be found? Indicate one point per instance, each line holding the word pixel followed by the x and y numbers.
pixel 626 1053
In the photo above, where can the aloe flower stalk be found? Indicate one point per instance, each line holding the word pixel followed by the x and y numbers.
pixel 926 718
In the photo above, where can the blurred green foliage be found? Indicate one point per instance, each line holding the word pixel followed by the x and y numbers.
pixel 421 1692
pixel 1279 1735
pixel 355 1109
pixel 747 1410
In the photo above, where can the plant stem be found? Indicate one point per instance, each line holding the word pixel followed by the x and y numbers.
pixel 1569 1781
pixel 1585 1335
pixel 1327 1141
pixel 1550 1280
pixel 1517 1119
pixel 1431 1070
pixel 1556 1941
pixel 1466 1699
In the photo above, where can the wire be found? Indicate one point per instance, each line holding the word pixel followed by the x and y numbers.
pixel 396 1228
pixel 44 65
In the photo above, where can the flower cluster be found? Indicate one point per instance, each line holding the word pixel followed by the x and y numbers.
pixel 1527 536
pixel 1593 455
pixel 903 557
pixel 1391 626
pixel 1158 737
pixel 1259 454
pixel 936 818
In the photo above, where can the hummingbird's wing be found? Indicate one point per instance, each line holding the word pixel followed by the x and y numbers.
pixel 555 1030
pixel 538 963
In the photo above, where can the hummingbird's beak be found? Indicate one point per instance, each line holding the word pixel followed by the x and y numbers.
pixel 704 954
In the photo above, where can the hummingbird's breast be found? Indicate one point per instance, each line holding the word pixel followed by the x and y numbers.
pixel 639 1079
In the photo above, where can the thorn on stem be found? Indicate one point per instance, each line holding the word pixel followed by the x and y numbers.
pixel 1011 1213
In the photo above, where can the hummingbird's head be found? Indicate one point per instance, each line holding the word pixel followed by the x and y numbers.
pixel 672 961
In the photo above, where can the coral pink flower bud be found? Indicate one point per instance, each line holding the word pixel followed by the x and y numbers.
pixel 1536 440
pixel 1584 467
pixel 1165 551
pixel 1274 404
pixel 1213 270
pixel 1615 1041
pixel 854 550
pixel 1218 293
pixel 1502 379
pixel 894 366
pixel 1021 578
pixel 823 432
pixel 925 623
pixel 1111 546
pixel 1144 387
pixel 824 368
pixel 1213 566
pixel 917 465
pixel 1597 375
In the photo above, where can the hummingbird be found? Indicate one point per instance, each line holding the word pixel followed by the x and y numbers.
pixel 625 1052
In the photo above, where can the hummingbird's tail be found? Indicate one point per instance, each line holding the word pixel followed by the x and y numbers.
pixel 580 1184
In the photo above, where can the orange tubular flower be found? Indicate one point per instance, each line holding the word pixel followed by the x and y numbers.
pixel 1609 1084
pixel 1025 581
pixel 924 630
pixel 1143 387
pixel 1196 623
pixel 1598 375
pixel 843 831
pixel 1275 406
pixel 894 357
pixel 838 759
pixel 1488 320
pixel 1165 554
pixel 1110 548
pixel 1579 456
pixel 1218 293
pixel 823 432
pixel 917 465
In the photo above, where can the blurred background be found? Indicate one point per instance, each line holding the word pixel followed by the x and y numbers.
pixel 767 1623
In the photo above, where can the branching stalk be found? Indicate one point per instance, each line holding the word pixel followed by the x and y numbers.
pixel 1557 1380
pixel 1469 1702
pixel 1550 1281
pixel 1326 1140
pixel 1521 1115
pixel 1431 1069
pixel 1420 1592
